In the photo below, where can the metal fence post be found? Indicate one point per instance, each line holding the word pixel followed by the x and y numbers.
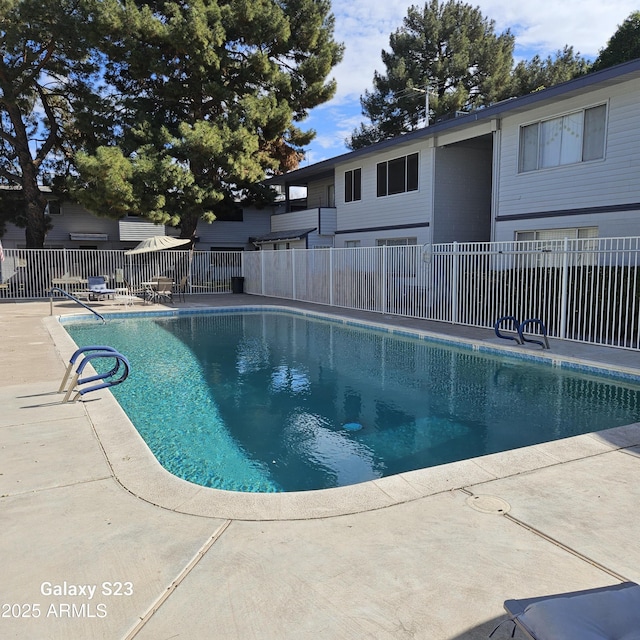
pixel 455 277
pixel 384 292
pixel 331 250
pixel 293 274
pixel 564 302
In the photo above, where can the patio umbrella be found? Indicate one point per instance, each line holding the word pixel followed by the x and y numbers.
pixel 157 243
pixel 146 270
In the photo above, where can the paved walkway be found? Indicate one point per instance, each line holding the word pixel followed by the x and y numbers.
pixel 98 542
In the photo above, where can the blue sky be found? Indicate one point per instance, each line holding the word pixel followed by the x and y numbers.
pixel 541 27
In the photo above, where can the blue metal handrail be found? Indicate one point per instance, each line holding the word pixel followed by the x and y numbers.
pixel 66 293
pixel 516 325
pixel 544 343
pixel 121 368
pixel 76 354
pixel 520 327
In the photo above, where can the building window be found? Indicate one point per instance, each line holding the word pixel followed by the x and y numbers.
pixel 572 138
pixel 396 242
pixel 278 246
pixel 353 185
pixel 229 212
pixel 331 195
pixel 402 263
pixel 557 234
pixel 397 175
pixel 53 208
pixel 547 250
pixel 351 244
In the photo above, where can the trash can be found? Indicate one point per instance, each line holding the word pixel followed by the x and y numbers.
pixel 237 284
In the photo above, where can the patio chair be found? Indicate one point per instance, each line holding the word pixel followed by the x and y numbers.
pixel 164 290
pixel 593 614
pixel 182 288
pixel 98 288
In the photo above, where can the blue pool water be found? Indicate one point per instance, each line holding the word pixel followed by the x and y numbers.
pixel 275 401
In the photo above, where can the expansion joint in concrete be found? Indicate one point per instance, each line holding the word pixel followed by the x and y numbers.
pixel 179 579
pixel 566 548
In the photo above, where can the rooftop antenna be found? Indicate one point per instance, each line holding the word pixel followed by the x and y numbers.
pixel 426 104
pixel 426 92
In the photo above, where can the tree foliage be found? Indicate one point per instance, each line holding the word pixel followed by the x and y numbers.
pixel 623 46
pixel 43 69
pixel 454 50
pixel 449 48
pixel 207 96
pixel 537 73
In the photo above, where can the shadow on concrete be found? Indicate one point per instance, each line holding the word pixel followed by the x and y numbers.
pixel 503 627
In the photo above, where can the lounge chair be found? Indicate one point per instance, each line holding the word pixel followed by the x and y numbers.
pixel 126 296
pixel 98 288
pixel 594 614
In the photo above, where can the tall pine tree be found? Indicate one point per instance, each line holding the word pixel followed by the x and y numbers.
pixel 447 48
pixel 44 68
pixel 206 96
pixel 537 73
pixel 623 45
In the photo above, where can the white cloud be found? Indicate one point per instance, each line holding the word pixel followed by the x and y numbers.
pixel 542 27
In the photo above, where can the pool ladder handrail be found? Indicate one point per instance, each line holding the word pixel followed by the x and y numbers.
pixel 121 367
pixel 72 297
pixel 75 356
pixel 520 327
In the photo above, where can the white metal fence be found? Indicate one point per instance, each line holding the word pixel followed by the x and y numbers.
pixel 585 290
pixel 31 273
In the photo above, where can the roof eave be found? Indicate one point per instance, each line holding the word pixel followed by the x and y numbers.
pixel 607 77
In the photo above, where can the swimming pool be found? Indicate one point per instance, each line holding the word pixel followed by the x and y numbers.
pixel 267 402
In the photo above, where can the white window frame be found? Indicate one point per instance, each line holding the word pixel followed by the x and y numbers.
pixel 556 234
pixel 382 175
pixel 563 140
pixel 396 242
pixel 543 242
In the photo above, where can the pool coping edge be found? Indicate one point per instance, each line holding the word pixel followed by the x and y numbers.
pixel 136 469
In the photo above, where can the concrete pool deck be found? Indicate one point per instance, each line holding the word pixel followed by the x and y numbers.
pixel 429 554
